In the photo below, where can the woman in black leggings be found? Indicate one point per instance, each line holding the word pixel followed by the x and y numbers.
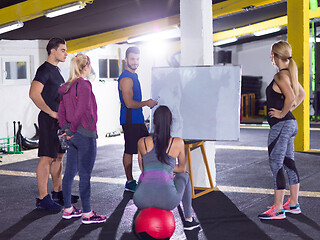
pixel 284 94
pixel 158 186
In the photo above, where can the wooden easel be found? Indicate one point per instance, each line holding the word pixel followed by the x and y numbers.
pixel 189 146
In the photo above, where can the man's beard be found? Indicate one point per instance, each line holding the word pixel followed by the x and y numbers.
pixel 129 66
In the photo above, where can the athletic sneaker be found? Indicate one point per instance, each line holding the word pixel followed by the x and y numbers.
pixel 94 218
pixel 292 209
pixel 58 197
pixel 190 225
pixel 48 204
pixel 272 213
pixel 131 186
pixel 74 213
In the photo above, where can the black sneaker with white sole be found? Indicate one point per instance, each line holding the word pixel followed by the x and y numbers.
pixel 190 225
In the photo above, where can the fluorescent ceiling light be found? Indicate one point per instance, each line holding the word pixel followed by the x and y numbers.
pixel 172 33
pixel 267 31
pixel 10 26
pixel 225 41
pixel 65 9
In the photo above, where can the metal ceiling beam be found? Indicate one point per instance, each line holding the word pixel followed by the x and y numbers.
pixel 121 35
pixel 30 9
pixel 281 21
pixel 234 6
pixel 219 9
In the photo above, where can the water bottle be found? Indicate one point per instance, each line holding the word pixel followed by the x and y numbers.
pixel 63 140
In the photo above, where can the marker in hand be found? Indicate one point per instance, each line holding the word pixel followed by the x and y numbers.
pixel 157 99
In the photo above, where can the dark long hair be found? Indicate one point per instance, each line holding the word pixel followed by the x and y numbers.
pixel 162 119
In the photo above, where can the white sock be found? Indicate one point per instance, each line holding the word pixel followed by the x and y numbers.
pixel 69 209
pixel 190 220
pixel 87 214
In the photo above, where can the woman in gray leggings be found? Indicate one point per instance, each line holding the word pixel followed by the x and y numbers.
pixel 284 94
pixel 163 183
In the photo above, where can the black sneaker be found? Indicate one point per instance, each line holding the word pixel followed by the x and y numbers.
pixel 58 197
pixel 48 204
pixel 190 225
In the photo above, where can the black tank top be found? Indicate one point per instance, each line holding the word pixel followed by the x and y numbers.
pixel 276 100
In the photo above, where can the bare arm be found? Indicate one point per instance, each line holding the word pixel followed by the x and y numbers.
pixel 182 162
pixel 125 85
pixel 35 95
pixel 301 96
pixel 283 81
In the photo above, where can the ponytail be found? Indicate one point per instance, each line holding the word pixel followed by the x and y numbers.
pixel 77 65
pixel 293 69
pixel 162 119
pixel 283 51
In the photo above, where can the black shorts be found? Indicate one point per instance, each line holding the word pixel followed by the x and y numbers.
pixel 49 144
pixel 132 134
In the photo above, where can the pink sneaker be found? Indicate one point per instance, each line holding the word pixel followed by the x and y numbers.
pixel 74 213
pixel 292 209
pixel 94 218
pixel 272 213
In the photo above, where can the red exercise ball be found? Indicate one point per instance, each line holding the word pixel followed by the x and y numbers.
pixel 155 223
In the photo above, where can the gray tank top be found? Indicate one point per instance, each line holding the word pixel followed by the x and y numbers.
pixel 156 171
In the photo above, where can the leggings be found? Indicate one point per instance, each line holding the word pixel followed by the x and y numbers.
pixel 281 153
pixel 81 156
pixel 166 197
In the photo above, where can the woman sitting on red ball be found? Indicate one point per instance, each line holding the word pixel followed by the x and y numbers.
pixel 163 183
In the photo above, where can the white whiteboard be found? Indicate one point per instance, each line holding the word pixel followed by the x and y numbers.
pixel 204 100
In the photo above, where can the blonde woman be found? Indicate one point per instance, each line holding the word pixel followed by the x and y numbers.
pixel 78 119
pixel 284 94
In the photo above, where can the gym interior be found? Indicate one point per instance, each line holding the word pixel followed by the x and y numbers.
pixel 169 34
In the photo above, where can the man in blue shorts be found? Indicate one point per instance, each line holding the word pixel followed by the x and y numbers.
pixel 131 116
pixel 44 94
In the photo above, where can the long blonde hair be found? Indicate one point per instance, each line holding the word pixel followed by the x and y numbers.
pixel 78 63
pixel 283 51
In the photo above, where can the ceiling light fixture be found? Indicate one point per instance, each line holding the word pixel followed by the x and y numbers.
pixel 65 9
pixel 267 31
pixel 172 33
pixel 225 41
pixel 10 26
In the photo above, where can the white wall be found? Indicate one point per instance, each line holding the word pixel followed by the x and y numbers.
pixel 254 58
pixel 107 92
pixel 16 105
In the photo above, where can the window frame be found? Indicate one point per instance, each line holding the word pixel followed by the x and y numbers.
pixel 23 81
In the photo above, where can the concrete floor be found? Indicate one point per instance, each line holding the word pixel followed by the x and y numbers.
pixel 244 190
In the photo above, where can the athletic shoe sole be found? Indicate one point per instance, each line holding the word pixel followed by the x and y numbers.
pixel 191 228
pixel 72 216
pixel 272 218
pixel 129 190
pixel 293 211
pixel 90 222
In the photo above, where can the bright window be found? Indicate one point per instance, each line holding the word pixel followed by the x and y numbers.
pixel 15 70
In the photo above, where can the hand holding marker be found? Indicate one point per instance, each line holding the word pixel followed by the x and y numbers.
pixel 157 99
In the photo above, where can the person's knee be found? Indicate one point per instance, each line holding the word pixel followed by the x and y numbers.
pixel 45 161
pixel 58 159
